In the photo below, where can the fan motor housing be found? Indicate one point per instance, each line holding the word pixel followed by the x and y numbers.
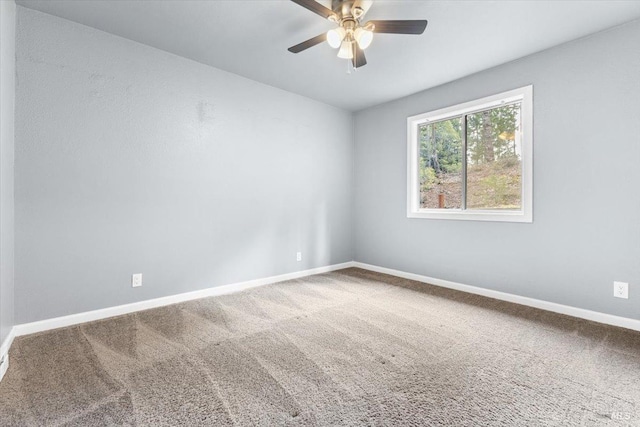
pixel 347 9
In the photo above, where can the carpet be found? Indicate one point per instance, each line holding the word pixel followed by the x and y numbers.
pixel 349 348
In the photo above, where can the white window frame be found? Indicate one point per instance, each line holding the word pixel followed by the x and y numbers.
pixel 525 214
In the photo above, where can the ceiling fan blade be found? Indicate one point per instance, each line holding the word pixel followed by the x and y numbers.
pixel 399 27
pixel 315 7
pixel 308 43
pixel 358 57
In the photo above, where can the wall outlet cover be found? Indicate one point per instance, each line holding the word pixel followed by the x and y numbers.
pixel 299 256
pixel 136 280
pixel 621 290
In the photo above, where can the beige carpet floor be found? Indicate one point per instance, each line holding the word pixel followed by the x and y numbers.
pixel 346 348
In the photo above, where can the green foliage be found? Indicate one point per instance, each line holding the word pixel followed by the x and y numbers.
pixel 498 186
pixel 441 145
pixel 491 134
pixel 428 178
pixel 492 156
pixel 494 185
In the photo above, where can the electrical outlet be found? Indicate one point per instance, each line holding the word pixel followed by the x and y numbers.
pixel 621 290
pixel 136 280
pixel 299 256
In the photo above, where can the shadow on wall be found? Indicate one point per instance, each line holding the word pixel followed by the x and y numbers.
pixel 318 238
pixel 268 247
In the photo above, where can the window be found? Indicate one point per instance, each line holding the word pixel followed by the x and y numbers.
pixel 473 161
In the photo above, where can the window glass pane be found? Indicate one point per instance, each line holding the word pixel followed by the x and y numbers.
pixel 494 159
pixel 440 169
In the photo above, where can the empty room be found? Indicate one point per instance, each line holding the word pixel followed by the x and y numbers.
pixel 319 213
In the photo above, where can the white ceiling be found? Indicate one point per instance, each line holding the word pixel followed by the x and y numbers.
pixel 250 38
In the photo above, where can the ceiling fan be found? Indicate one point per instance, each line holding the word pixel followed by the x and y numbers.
pixel 351 36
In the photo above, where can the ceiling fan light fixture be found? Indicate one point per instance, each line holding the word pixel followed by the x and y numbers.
pixel 364 37
pixel 351 35
pixel 346 50
pixel 335 37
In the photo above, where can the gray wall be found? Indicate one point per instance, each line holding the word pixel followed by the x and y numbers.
pixel 130 159
pixel 133 160
pixel 7 99
pixel 586 226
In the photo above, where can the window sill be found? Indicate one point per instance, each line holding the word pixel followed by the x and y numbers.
pixel 454 214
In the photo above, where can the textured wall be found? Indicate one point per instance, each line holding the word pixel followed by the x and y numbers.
pixel 7 93
pixel 586 228
pixel 130 159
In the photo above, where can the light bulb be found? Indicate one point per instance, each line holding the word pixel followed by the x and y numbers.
pixel 335 37
pixel 363 37
pixel 346 50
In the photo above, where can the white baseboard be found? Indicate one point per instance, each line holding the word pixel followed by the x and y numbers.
pixel 74 319
pixel 595 316
pixel 88 316
pixel 4 353
pixel 4 365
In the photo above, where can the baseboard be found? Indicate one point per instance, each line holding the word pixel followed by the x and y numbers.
pixel 595 316
pixel 74 319
pixel 4 353
pixel 88 316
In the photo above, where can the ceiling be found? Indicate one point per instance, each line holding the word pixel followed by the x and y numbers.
pixel 250 38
